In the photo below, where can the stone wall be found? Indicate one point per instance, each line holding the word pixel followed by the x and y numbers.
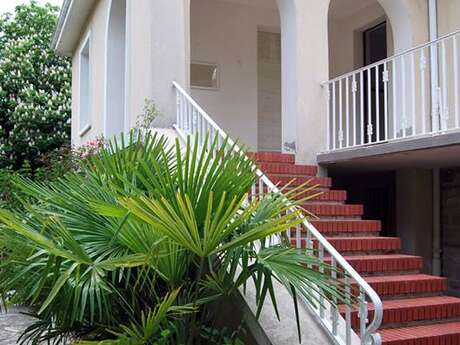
pixel 450 225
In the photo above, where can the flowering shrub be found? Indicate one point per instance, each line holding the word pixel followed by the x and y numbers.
pixel 35 93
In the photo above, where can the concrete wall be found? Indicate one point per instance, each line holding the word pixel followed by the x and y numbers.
pixel 154 60
pixel 225 33
pixel 448 12
pixel 96 28
pixel 450 227
pixel 414 213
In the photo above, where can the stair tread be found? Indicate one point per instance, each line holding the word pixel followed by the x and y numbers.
pixel 417 332
pixel 412 302
pixel 380 257
pixel 402 278
pixel 418 302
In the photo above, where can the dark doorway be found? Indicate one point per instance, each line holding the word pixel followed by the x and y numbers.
pixel 376 192
pixel 375 49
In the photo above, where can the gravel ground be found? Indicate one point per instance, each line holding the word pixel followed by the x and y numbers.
pixel 12 324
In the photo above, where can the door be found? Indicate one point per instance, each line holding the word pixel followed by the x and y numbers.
pixel 375 49
pixel 269 91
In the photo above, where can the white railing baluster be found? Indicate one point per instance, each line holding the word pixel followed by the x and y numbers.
pixel 403 96
pixel 347 112
pixel 322 310
pixel 456 90
pixel 298 236
pixel 369 106
pixel 361 105
pixel 413 86
pixel 405 109
pixel 340 115
pixel 422 90
pixel 385 100
pixel 334 135
pixel 445 106
pixel 263 186
pixel 328 119
pixel 347 310
pixel 354 89
pixel 377 104
pixel 334 308
pixel 393 85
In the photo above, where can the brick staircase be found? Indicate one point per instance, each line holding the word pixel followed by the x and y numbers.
pixel 416 311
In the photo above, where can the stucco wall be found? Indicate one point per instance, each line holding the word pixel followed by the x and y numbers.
pixel 96 27
pixel 225 33
pixel 450 227
pixel 414 213
pixel 449 13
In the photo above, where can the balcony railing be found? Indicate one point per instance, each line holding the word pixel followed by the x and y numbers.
pixel 408 95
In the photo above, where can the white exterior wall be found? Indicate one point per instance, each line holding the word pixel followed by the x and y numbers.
pixel 449 14
pixel 225 33
pixel 158 51
pixel 96 29
pixel 154 60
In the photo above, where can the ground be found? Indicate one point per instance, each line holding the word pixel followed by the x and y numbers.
pixel 12 324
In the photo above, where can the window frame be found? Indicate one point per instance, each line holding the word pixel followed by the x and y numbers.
pixel 218 76
pixel 84 52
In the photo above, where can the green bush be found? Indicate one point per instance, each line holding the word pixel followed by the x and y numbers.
pixel 144 243
pixel 35 91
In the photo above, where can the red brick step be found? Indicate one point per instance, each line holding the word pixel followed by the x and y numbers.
pixel 334 209
pixel 272 157
pixel 283 180
pixel 360 244
pixel 328 227
pixel 438 334
pixel 285 168
pixel 387 263
pixel 396 285
pixel 410 310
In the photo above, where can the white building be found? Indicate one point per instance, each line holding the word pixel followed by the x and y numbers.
pixel 366 89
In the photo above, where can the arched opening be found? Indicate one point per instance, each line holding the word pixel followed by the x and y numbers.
pixel 114 118
pixel 360 33
pixel 236 67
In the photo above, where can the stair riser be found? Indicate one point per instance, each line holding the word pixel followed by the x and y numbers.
pixel 448 339
pixel 293 181
pixel 350 227
pixel 288 169
pixel 412 316
pixel 380 267
pixel 403 289
pixel 356 246
pixel 272 157
pixel 335 210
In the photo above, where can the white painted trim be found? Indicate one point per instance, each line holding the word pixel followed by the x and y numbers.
pixel 87 126
pixel 64 23
pixel 106 52
pixel 127 45
pixel 106 60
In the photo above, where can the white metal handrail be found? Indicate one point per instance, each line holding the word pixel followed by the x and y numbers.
pixel 397 98
pixel 193 120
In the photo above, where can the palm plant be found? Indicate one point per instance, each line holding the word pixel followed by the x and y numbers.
pixel 138 246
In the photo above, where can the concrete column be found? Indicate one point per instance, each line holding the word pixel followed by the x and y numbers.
pixel 305 64
pixel 414 213
pixel 160 41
